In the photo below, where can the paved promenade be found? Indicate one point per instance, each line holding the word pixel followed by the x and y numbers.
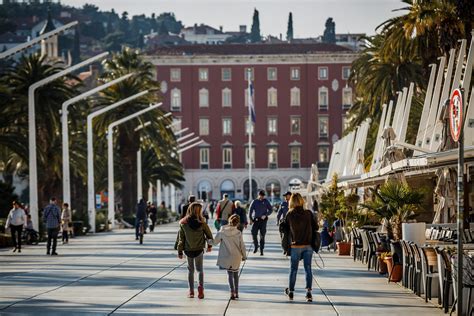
pixel 112 274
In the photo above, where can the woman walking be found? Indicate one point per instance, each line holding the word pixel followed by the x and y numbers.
pixel 240 211
pixel 66 222
pixel 16 220
pixel 192 236
pixel 299 227
pixel 231 252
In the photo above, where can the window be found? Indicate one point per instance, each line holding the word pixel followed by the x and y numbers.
pixel 295 125
pixel 272 157
pixel 272 97
pixel 323 73
pixel 249 126
pixel 323 98
pixel 346 72
pixel 346 98
pixel 227 158
pixel 295 73
pixel 226 97
pixel 203 126
pixel 247 156
pixel 204 158
pixel 226 126
pixel 175 99
pixel 295 157
pixel 203 98
pixel 295 96
pixel 246 74
pixel 323 154
pixel 323 127
pixel 272 123
pixel 271 73
pixel 226 74
pixel 175 74
pixel 203 74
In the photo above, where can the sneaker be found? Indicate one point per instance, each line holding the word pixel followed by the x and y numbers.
pixel 261 253
pixel 200 292
pixel 14 249
pixel 309 297
pixel 191 294
pixel 19 250
pixel 54 254
pixel 48 253
pixel 236 294
pixel 289 294
pixel 232 296
pixel 255 250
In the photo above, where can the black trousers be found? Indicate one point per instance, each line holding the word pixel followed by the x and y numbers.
pixel 52 236
pixel 16 235
pixel 259 226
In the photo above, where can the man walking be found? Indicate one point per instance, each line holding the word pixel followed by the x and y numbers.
pixel 225 208
pixel 260 209
pixel 184 209
pixel 283 207
pixel 140 215
pixel 52 220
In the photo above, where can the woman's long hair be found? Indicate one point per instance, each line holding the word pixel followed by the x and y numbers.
pixel 195 210
pixel 296 200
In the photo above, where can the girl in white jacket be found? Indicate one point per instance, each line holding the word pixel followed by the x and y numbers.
pixel 231 252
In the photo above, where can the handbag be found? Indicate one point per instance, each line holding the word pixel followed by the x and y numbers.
pixel 217 224
pixel 316 236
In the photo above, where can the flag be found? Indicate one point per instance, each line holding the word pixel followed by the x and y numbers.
pixel 250 102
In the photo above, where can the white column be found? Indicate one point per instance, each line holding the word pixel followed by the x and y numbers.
pixel 167 195
pixel 110 178
pixel 158 192
pixel 139 175
pixel 150 192
pixel 173 198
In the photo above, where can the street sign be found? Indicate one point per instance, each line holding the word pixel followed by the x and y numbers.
pixel 455 114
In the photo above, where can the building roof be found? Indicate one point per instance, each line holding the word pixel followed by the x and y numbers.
pixel 49 26
pixel 202 29
pixel 250 49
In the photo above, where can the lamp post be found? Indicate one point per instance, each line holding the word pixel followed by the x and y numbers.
pixel 32 160
pixel 65 133
pixel 90 155
pixel 110 158
pixel 14 50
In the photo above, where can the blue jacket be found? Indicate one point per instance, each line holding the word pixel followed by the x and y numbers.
pixel 282 211
pixel 259 208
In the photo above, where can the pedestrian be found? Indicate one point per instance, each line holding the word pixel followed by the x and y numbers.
pixel 66 220
pixel 52 220
pixel 153 213
pixel 260 209
pixel 212 208
pixel 184 209
pixel 140 215
pixel 240 211
pixel 231 252
pixel 225 208
pixel 299 227
pixel 283 209
pixel 192 236
pixel 16 220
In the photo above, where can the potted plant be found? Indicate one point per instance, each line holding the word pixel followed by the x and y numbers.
pixel 383 258
pixel 346 213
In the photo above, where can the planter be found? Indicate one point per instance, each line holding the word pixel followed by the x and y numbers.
pixel 343 248
pixel 394 272
pixel 382 266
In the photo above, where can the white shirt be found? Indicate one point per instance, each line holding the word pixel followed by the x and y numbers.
pixel 16 217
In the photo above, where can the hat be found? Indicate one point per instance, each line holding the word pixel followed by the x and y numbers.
pixel 261 192
pixel 287 193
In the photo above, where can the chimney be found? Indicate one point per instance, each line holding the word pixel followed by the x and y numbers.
pixel 243 28
pixel 221 28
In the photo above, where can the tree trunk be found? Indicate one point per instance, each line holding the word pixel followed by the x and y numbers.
pixel 128 147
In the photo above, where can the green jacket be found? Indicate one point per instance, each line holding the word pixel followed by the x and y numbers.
pixel 192 235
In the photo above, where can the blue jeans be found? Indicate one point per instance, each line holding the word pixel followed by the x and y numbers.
pixel 297 254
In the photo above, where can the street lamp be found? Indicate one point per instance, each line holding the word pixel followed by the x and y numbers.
pixel 90 155
pixel 65 132
pixel 32 163
pixel 110 157
pixel 14 50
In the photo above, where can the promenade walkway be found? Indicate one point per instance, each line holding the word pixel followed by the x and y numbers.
pixel 112 274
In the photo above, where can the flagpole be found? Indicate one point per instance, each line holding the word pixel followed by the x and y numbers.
pixel 250 126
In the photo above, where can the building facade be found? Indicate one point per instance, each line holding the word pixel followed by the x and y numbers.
pixel 300 95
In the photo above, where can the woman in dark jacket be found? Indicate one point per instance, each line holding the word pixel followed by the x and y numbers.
pixel 299 229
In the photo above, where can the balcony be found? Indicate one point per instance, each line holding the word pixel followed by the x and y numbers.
pixel 272 165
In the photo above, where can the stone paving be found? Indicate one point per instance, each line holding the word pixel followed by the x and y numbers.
pixel 112 274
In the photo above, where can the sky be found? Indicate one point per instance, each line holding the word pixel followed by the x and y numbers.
pixel 309 16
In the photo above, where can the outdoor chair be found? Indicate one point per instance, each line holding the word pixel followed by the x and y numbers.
pixel 365 246
pixel 430 263
pixel 356 245
pixel 372 257
pixel 417 272
pixel 467 280
pixel 445 279
pixel 407 264
pixel 467 236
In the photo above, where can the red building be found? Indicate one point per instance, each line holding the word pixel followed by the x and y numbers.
pixel 301 96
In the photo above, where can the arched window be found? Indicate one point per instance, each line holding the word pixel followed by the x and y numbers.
pixel 323 98
pixel 228 187
pixel 175 99
pixel 272 97
pixel 203 98
pixel 226 97
pixel 295 96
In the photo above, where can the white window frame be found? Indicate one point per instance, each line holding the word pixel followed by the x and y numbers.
pixel 252 75
pixel 295 73
pixel 295 96
pixel 203 98
pixel 175 74
pixel 203 74
pixel 226 95
pixel 320 151
pixel 321 104
pixel 227 164
pixel 319 73
pixel 227 120
pixel 298 118
pixel 297 150
pixel 272 74
pixel 204 153
pixel 344 77
pixel 272 164
pixel 225 70
pixel 175 99
pixel 270 128
pixel 204 126
pixel 344 103
pixel 272 97
pixel 320 119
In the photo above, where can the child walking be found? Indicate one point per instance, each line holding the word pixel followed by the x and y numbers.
pixel 192 236
pixel 231 252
